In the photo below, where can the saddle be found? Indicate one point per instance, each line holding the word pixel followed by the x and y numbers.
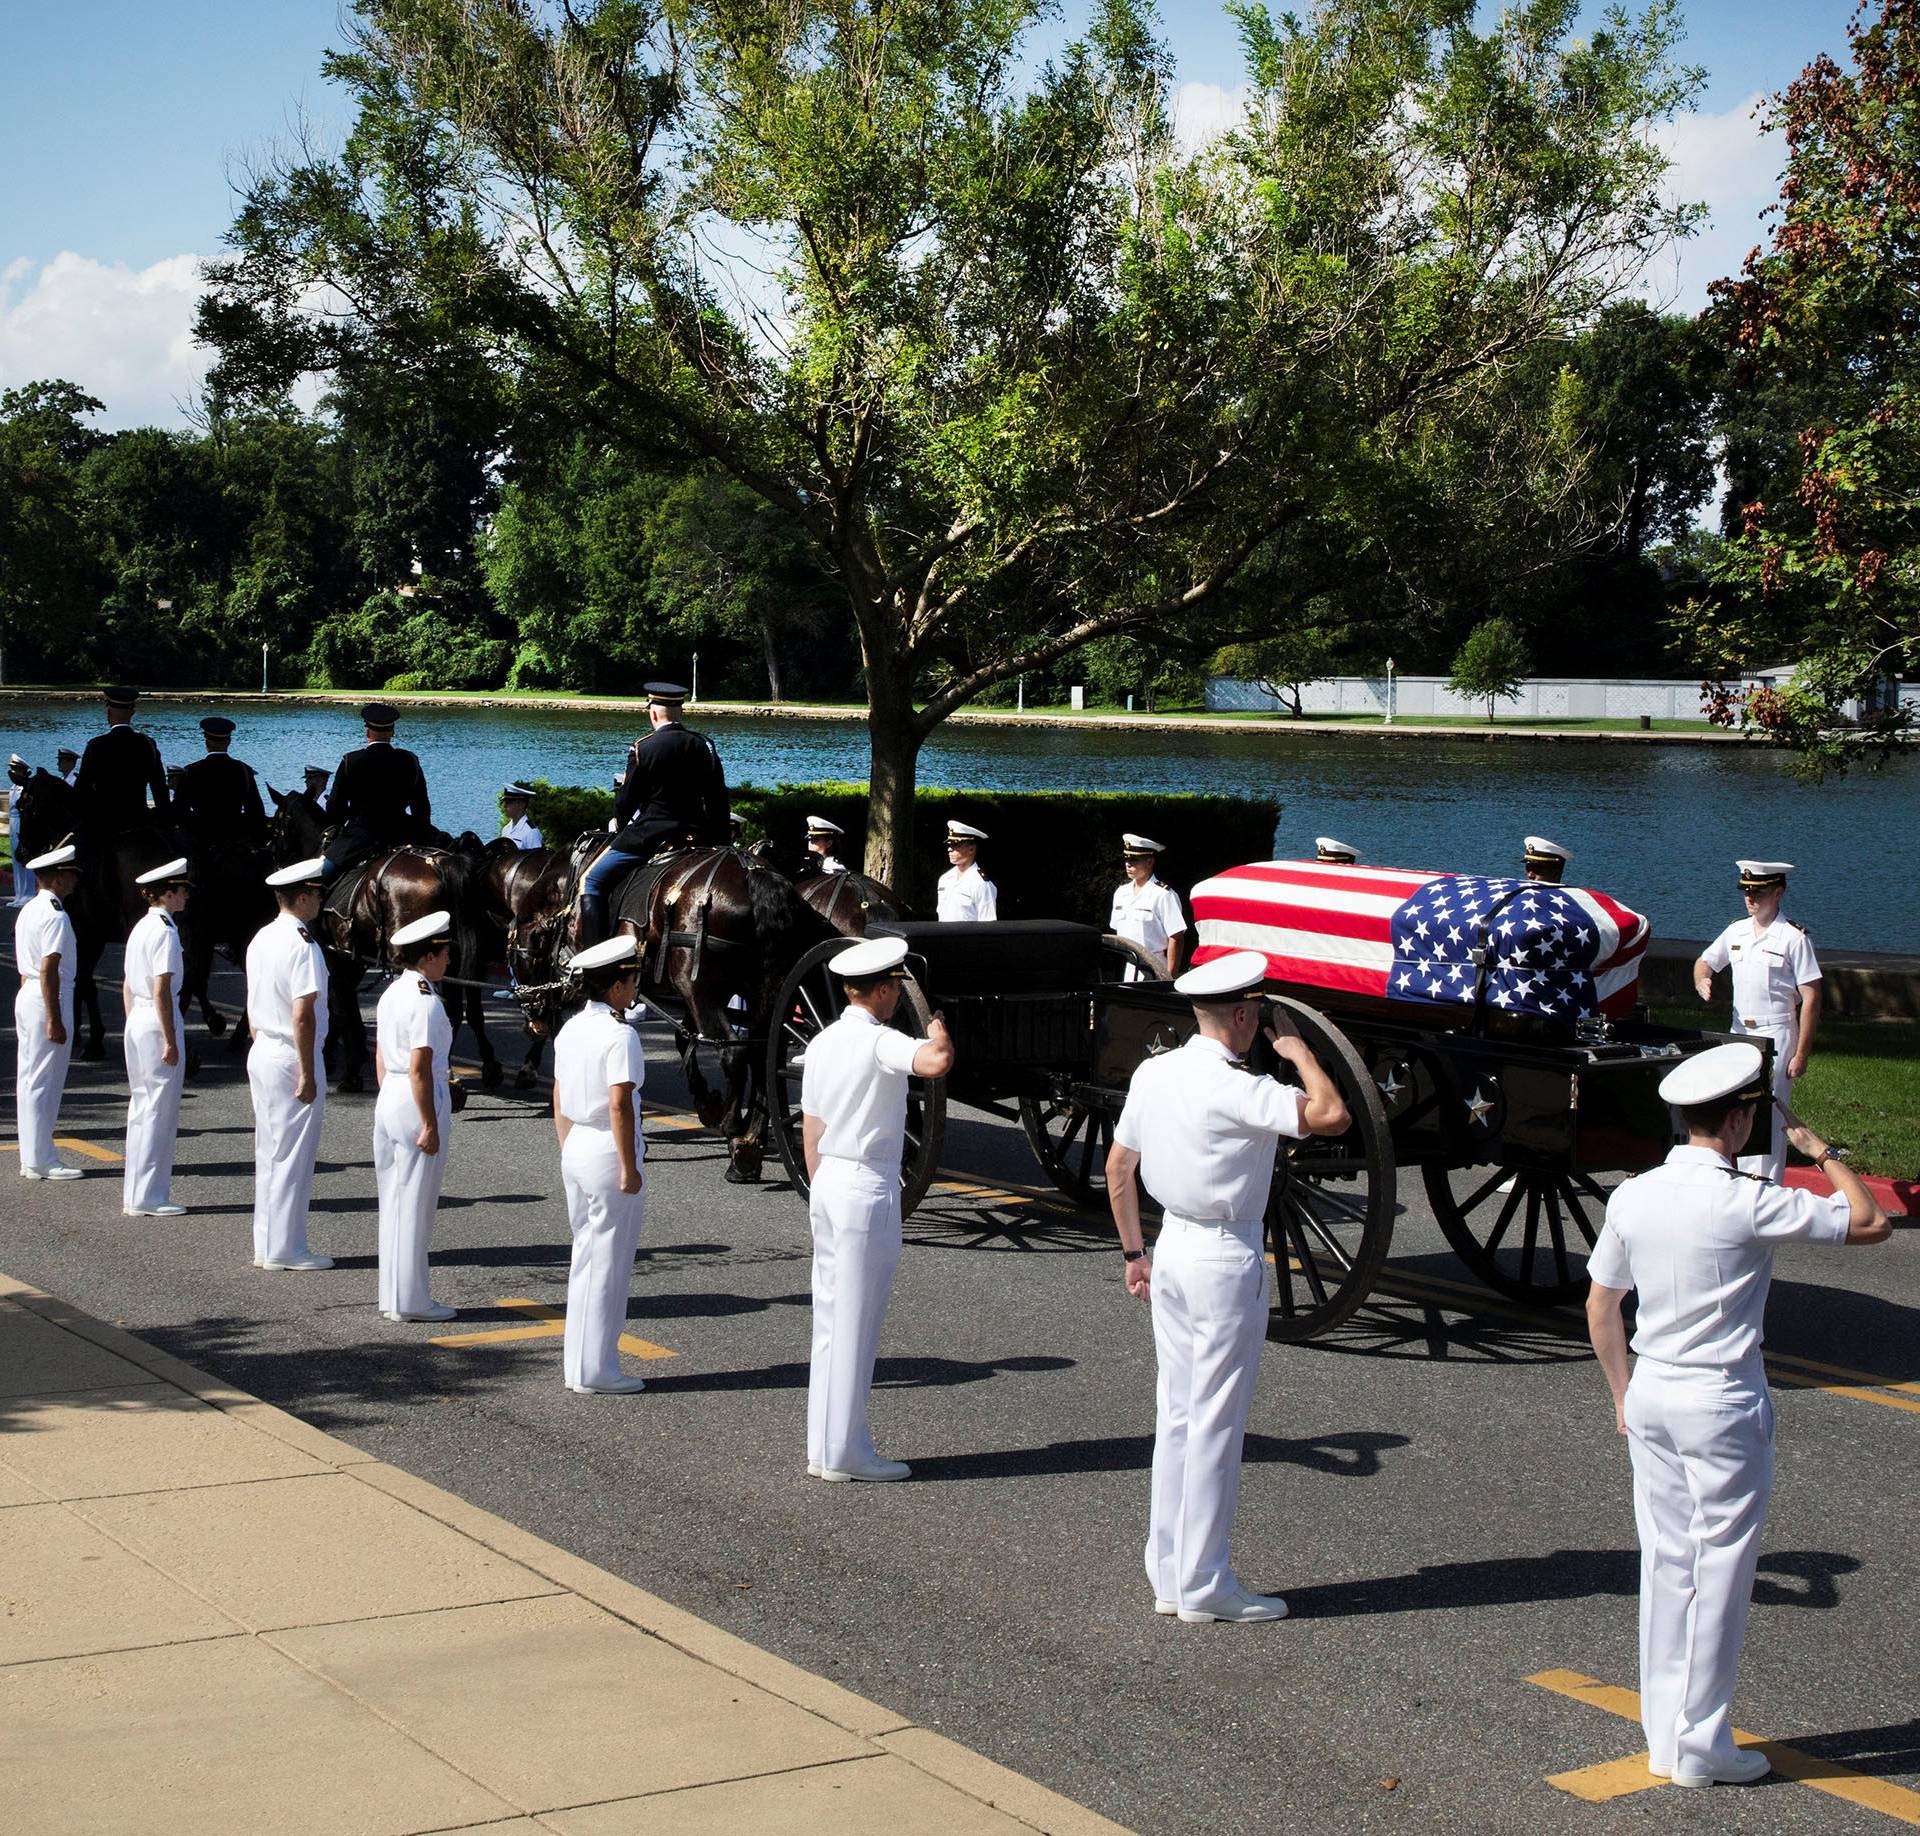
pixel 336 907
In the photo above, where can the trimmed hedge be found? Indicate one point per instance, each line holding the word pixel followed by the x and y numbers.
pixel 562 811
pixel 1051 854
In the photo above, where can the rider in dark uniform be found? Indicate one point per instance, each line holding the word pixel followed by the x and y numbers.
pixel 379 795
pixel 218 801
pixel 118 770
pixel 674 790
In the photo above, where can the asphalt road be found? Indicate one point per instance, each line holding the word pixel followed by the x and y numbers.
pixel 1437 1489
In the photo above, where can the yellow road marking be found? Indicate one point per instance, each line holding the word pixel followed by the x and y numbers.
pixel 79 1147
pixel 1841 1370
pixel 554 1324
pixel 1630 1775
pixel 1843 1389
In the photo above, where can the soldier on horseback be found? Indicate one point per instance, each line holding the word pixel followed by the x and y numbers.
pixel 118 771
pixel 379 795
pixel 219 798
pixel 673 793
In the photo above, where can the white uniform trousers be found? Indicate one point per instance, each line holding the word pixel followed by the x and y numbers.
pixel 286 1142
pixel 1785 1035
pixel 409 1187
pixel 606 1231
pixel 40 1075
pixel 153 1106
pixel 855 1211
pixel 1701 1441
pixel 1209 1323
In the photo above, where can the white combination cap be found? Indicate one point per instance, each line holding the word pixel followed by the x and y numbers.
pixel 1224 977
pixel 1331 850
pixel 1763 873
pixel 1540 849
pixel 13 758
pixel 515 790
pixel 1140 844
pixel 621 949
pixel 964 831
pixel 819 825
pixel 1719 1071
pixel 63 856
pixel 872 956
pixel 434 924
pixel 175 869
pixel 735 816
pixel 310 872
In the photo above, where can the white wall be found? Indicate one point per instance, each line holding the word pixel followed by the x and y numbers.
pixel 1539 698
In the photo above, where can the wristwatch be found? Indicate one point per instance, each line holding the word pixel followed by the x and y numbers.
pixel 1132 1255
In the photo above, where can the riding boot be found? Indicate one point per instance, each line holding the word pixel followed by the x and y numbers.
pixel 592 926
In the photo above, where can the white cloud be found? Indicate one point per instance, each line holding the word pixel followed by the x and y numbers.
pixel 1203 111
pixel 1726 163
pixel 124 335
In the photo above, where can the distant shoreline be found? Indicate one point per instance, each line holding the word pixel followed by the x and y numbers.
pixel 985 717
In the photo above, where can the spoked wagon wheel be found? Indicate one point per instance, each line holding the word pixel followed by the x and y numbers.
pixel 1070 1140
pixel 1523 1230
pixel 810 1001
pixel 1330 1210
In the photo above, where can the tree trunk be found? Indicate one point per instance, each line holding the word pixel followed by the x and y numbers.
pixel 894 737
pixel 774 692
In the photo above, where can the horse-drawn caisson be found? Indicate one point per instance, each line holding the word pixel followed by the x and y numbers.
pixel 1484 1031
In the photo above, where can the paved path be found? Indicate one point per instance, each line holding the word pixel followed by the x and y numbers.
pixel 215 1618
pixel 1437 1488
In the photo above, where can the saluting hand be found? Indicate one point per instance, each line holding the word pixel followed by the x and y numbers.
pixel 1285 1039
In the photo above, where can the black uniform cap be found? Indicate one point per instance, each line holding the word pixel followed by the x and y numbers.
pixel 120 696
pixel 671 694
pixel 65 752
pixel 379 714
pixel 217 724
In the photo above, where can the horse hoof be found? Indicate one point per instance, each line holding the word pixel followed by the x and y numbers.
pixel 738 1175
pixel 524 1080
pixel 350 1085
pixel 93 1049
pixel 216 1025
pixel 711 1108
pixel 490 1075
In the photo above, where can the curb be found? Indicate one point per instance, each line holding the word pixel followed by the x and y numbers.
pixel 1898 1198
pixel 958 1767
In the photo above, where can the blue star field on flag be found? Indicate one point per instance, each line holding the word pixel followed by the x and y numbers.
pixel 1540 948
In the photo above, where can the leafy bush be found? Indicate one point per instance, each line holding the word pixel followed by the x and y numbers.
pixel 562 811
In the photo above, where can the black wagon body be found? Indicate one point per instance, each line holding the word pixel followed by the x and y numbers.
pixel 1516 1130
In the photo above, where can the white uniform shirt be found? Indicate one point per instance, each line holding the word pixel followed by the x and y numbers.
pixel 855 1082
pixel 1696 1238
pixel 595 1050
pixel 1148 915
pixel 153 949
pixel 831 862
pixel 42 928
pixel 522 833
pixel 966 893
pixel 1206 1130
pixel 411 1015
pixel 1768 968
pixel 283 963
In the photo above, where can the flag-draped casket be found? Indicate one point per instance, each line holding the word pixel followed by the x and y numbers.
pixel 1547 953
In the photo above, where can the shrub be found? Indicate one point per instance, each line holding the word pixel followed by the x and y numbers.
pixel 562 811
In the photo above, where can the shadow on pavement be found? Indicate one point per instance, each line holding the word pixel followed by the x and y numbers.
pixel 1878 1752
pixel 1352 1456
pixel 888 1373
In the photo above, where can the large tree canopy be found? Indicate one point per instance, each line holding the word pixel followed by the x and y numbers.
pixel 1023 371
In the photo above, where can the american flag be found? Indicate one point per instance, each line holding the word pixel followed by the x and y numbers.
pixel 1560 952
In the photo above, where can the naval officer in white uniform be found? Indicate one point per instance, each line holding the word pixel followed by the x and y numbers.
pixel 599 1068
pixel 1200 1130
pixel 413 1037
pixel 287 1012
pixel 155 1027
pixel 46 955
pixel 965 894
pixel 1332 852
pixel 853 1102
pixel 514 799
pixel 1545 861
pixel 823 837
pixel 1695 1238
pixel 1776 987
pixel 1146 910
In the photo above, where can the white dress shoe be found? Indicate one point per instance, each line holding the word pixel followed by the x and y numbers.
pixel 813 1469
pixel 154 1211
pixel 300 1262
pixel 1742 1769
pixel 1243 1608
pixel 1166 1608
pixel 434 1311
pixel 57 1171
pixel 875 1472
pixel 614 1386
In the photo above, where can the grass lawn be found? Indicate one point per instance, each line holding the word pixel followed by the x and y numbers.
pixel 1862 1088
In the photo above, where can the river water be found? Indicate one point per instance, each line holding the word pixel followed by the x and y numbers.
pixel 1656 826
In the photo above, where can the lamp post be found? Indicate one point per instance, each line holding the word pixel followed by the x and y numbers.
pixel 263 666
pixel 695 684
pixel 1389 719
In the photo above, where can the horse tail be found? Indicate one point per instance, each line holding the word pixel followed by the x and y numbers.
pixel 784 925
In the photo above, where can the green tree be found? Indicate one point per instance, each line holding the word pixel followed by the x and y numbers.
pixel 1491 665
pixel 1823 567
pixel 47 579
pixel 1024 374
pixel 1285 662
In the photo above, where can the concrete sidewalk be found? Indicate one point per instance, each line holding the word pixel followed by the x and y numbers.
pixel 214 1618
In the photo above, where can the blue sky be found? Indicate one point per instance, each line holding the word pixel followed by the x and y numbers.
pixel 122 123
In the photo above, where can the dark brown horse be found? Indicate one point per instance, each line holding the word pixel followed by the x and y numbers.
pixel 847 900
pixel 521 898
pixel 364 906
pixel 712 924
